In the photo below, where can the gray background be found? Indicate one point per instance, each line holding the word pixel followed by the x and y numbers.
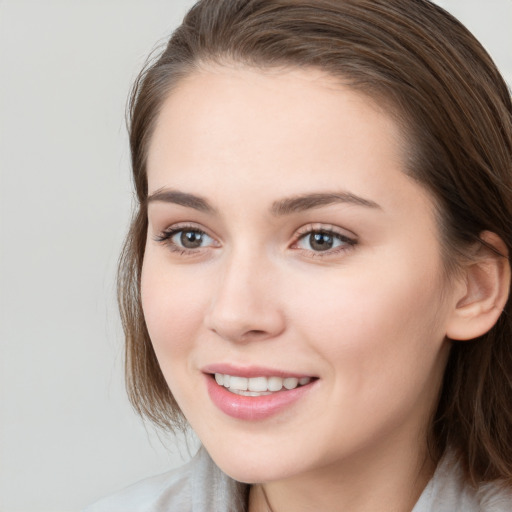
pixel 67 433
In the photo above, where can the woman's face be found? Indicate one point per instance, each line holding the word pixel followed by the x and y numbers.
pixel 287 248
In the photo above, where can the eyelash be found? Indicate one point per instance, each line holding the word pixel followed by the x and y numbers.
pixel 165 237
pixel 347 243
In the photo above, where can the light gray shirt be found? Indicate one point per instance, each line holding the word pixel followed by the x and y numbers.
pixel 200 486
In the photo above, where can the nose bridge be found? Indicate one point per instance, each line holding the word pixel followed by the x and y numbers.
pixel 244 304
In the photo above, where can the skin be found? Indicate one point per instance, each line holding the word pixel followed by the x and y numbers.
pixel 368 318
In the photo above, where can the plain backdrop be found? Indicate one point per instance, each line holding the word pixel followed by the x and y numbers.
pixel 67 432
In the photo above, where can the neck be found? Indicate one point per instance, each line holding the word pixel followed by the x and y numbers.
pixel 389 482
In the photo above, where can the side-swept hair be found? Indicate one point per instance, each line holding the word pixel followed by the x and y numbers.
pixel 456 114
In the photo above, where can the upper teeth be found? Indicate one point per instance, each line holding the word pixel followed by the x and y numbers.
pixel 259 384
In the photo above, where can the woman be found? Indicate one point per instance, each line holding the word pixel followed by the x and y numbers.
pixel 317 275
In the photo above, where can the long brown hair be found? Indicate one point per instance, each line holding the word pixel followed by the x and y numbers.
pixel 456 114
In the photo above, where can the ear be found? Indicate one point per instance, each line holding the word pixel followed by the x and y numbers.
pixel 483 292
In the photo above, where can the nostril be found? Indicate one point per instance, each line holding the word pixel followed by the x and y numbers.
pixel 238 322
pixel 255 332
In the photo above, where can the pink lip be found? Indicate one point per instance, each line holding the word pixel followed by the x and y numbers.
pixel 250 371
pixel 253 408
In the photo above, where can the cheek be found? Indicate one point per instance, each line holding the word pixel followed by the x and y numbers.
pixel 173 313
pixel 173 305
pixel 377 329
pixel 383 345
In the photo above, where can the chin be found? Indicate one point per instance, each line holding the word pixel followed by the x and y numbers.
pixel 249 472
pixel 256 466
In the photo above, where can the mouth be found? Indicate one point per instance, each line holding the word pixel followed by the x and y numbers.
pixel 259 386
pixel 256 394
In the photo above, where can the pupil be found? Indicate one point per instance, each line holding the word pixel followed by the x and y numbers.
pixel 320 241
pixel 191 239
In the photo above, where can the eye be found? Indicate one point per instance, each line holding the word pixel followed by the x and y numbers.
pixel 184 239
pixel 190 239
pixel 324 241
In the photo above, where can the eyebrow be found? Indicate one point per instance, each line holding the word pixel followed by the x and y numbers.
pixel 281 207
pixel 181 198
pixel 309 201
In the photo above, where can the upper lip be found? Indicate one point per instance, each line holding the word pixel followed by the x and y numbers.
pixel 250 371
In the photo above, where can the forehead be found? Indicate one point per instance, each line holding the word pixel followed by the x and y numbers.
pixel 237 102
pixel 231 130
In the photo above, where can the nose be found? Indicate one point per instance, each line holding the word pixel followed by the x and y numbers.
pixel 245 305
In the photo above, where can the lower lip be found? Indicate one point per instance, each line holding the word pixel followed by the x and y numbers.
pixel 253 408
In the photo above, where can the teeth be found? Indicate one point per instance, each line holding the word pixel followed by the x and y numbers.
pixel 250 393
pixel 290 383
pixel 238 383
pixel 275 383
pixel 256 386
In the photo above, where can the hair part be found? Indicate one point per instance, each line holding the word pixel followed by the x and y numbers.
pixel 455 111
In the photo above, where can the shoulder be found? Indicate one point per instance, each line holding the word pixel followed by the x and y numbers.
pixel 196 487
pixel 493 497
pixel 448 491
pixel 171 488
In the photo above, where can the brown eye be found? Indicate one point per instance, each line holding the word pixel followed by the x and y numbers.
pixel 321 241
pixel 318 241
pixel 186 239
pixel 191 239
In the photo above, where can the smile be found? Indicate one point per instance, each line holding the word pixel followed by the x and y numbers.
pixel 258 386
pixel 257 395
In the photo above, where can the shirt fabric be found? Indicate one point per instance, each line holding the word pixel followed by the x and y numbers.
pixel 200 486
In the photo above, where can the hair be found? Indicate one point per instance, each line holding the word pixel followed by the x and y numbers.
pixel 456 114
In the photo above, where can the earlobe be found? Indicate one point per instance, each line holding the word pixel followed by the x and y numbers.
pixel 485 291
